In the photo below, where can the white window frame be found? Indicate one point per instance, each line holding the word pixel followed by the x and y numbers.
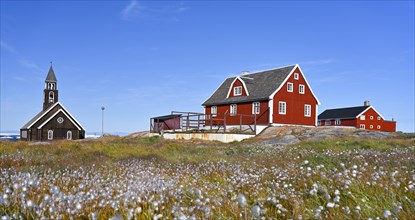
pixel 327 122
pixel 214 110
pixel 371 126
pixel 237 90
pixel 233 109
pixel 362 126
pixel 337 122
pixel 24 134
pixel 69 135
pixel 50 134
pixel 296 76
pixel 378 127
pixel 301 89
pixel 362 117
pixel 307 110
pixel 282 108
pixel 256 108
pixel 290 85
pixel 378 117
pixel 371 117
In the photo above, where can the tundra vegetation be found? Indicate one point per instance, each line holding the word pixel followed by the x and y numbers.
pixel 154 178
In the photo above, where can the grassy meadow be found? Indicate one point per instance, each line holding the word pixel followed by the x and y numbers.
pixel 154 178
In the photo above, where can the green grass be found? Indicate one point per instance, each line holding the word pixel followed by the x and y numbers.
pixel 368 154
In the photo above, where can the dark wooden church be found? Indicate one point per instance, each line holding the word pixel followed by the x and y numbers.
pixel 54 122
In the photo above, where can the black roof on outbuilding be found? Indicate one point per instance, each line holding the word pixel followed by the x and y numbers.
pixel 260 86
pixel 166 117
pixel 342 113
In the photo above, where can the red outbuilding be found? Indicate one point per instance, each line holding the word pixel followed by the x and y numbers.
pixel 362 117
pixel 279 96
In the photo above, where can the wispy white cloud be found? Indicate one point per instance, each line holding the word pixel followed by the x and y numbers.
pixel 31 65
pixel 18 78
pixel 166 12
pixel 7 47
pixel 318 62
pixel 131 10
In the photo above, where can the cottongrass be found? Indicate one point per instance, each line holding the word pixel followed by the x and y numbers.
pixel 294 182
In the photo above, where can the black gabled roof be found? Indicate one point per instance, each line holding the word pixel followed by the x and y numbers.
pixel 260 86
pixel 37 116
pixel 342 113
pixel 51 76
pixel 41 114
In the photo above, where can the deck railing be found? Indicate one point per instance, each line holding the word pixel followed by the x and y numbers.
pixel 214 123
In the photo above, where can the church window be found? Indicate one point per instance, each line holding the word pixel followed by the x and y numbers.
pixel 60 120
pixel 50 135
pixel 51 97
pixel 69 135
pixel 51 86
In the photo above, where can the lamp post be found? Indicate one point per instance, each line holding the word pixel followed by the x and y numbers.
pixel 102 108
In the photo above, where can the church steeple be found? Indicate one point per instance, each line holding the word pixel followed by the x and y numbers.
pixel 50 93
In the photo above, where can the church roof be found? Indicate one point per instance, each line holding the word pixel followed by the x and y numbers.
pixel 41 114
pixel 51 76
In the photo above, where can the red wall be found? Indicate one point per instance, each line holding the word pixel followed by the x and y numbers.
pixel 389 126
pixel 242 108
pixel 374 122
pixel 295 103
pixel 236 84
pixel 343 122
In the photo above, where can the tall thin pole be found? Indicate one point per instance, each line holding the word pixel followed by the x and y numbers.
pixel 102 108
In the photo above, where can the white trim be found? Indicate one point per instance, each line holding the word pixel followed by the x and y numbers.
pixel 337 121
pixel 316 115
pixel 288 87
pixel 309 112
pixel 279 108
pixel 67 135
pixel 308 85
pixel 50 132
pixel 296 76
pixel 299 89
pixel 230 88
pixel 289 75
pixel 236 92
pixel 283 82
pixel 44 113
pixel 73 118
pixel 211 110
pixel 369 107
pixel 362 126
pixel 51 117
pixel 254 112
pixel 271 110
pixel 235 108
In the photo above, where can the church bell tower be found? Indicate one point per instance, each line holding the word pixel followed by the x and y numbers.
pixel 50 93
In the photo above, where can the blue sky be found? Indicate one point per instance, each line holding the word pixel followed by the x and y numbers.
pixel 144 58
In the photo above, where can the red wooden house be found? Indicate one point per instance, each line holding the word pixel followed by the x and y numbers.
pixel 279 96
pixel 363 117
